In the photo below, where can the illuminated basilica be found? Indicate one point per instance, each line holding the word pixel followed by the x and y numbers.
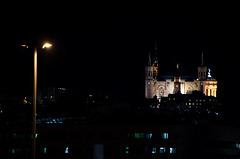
pixel 162 86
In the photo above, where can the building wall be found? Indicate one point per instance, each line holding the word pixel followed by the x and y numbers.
pixel 190 86
pixel 164 88
pixel 210 88
pixel 127 141
pixel 149 88
pixel 149 82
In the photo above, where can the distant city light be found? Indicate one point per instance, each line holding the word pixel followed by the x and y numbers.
pixel 154 150
pixel 172 150
pixel 26 46
pixel 149 136
pixel 127 150
pixel 164 135
pixel 66 150
pixel 162 150
pixel 237 145
pixel 44 150
pixel 139 135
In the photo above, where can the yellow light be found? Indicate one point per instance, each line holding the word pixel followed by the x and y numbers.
pixel 47 45
pixel 26 46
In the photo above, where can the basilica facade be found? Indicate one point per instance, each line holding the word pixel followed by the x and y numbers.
pixel 162 86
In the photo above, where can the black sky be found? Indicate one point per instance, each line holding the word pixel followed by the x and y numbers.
pixel 106 48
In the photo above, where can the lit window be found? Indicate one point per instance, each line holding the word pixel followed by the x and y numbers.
pixel 13 150
pixel 154 150
pixel 139 135
pixel 127 150
pixel 44 150
pixel 149 136
pixel 237 145
pixel 62 89
pixel 172 150
pixel 36 135
pixel 66 150
pixel 162 149
pixel 164 135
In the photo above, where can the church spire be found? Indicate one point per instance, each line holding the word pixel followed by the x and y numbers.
pixel 202 64
pixel 155 48
pixel 155 56
pixel 149 60
pixel 202 71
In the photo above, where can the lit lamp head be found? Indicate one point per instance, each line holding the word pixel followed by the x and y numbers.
pixel 47 45
pixel 26 46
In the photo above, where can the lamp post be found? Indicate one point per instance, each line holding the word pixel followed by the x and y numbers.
pixel 34 102
pixel 46 45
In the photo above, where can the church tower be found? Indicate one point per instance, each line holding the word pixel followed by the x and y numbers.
pixel 202 71
pixel 149 79
pixel 177 80
pixel 208 85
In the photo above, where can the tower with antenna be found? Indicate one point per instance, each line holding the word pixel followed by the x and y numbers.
pixel 177 81
pixel 202 70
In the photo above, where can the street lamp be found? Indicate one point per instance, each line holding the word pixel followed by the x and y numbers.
pixel 46 45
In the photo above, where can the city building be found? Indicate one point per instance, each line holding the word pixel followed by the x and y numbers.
pixel 101 141
pixel 162 86
pixel 196 101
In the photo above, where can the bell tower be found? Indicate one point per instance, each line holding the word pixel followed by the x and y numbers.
pixel 149 79
pixel 202 71
pixel 177 80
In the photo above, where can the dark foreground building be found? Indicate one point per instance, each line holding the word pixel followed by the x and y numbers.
pixel 128 141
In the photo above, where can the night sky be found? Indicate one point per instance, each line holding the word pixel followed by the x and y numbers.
pixel 106 48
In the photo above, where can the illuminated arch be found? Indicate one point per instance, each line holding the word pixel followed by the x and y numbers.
pixel 189 90
pixel 161 90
